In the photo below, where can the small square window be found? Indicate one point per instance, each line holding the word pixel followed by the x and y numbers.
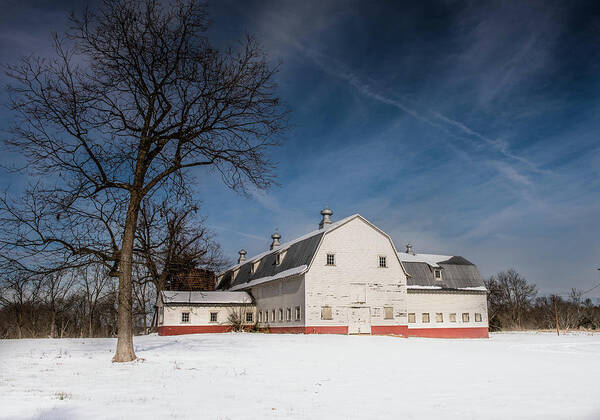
pixel 439 317
pixel 388 312
pixel 288 314
pixel 185 317
pixel 326 312
pixel 412 318
pixel 425 318
pixel 477 317
pixel 438 274
pixel 280 315
pixel 465 317
pixel 330 259
pixel 249 317
pixel 382 262
pixel 452 317
pixel 213 316
pixel 298 313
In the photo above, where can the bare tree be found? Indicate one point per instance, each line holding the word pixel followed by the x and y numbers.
pixel 510 292
pixel 55 288
pixel 19 291
pixel 136 97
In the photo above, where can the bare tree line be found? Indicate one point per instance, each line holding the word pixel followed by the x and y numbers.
pixel 82 301
pixel 513 304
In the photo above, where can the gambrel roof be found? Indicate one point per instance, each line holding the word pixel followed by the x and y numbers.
pixel 457 273
pixel 298 256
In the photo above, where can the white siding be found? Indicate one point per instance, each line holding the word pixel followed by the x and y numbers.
pixel 447 303
pixel 200 315
pixel 355 277
pixel 281 294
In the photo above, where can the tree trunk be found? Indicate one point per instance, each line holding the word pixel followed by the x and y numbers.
pixel 125 352
pixel 52 324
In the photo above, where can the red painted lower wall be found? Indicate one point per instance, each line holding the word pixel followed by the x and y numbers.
pixel 192 329
pixel 476 332
pixel 389 330
pixel 403 330
pixel 326 330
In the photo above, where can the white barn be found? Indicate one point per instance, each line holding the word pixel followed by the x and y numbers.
pixel 343 278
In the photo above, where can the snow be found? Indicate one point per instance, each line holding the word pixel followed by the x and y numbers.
pixel 286 273
pixel 206 297
pixel 251 375
pixel 430 259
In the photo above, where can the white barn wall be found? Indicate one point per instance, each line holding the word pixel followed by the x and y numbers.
pixel 357 246
pixel 423 301
pixel 280 294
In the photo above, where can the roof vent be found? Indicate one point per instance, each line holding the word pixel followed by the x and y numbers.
pixel 242 257
pixel 326 213
pixel 276 237
pixel 409 249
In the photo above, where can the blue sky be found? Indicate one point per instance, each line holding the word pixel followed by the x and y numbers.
pixel 466 128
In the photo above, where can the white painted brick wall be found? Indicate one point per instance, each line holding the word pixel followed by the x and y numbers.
pixel 357 247
pixel 447 303
pixel 281 294
pixel 200 315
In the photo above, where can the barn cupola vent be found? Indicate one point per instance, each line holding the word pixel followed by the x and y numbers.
pixel 276 237
pixel 409 249
pixel 326 213
pixel 242 257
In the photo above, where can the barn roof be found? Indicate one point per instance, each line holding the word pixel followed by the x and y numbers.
pixel 212 297
pixel 458 273
pixel 298 255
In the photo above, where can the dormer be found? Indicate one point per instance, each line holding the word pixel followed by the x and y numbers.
pixel 280 256
pixel 254 266
pixel 437 274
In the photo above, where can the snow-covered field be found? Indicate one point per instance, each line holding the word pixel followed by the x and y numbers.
pixel 243 376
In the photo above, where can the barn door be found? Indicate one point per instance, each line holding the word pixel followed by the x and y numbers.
pixel 359 321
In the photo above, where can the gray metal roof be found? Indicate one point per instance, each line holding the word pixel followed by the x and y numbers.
pixel 202 297
pixel 296 254
pixel 457 273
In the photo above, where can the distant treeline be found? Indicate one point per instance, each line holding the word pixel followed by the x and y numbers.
pixel 80 303
pixel 513 304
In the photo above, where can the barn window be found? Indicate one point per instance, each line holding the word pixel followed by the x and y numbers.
pixel 326 312
pixel 298 314
pixel 259 316
pixel 439 317
pixel 477 317
pixel 288 314
pixel 277 259
pixel 426 318
pixel 412 318
pixel 465 317
pixel 382 262
pixel 452 317
pixel 249 317
pixel 213 316
pixel 280 314
pixel 437 274
pixel 272 315
pixel 185 317
pixel 330 259
pixel 388 312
